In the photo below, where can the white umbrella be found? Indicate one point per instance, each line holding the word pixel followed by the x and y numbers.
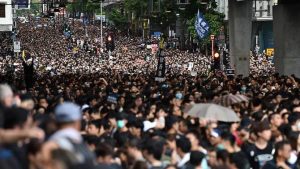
pixel 230 99
pixel 212 112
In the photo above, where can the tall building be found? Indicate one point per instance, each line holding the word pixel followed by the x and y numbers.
pixel 262 27
pixel 6 18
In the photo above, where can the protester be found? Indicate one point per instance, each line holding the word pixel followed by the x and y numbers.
pixel 101 112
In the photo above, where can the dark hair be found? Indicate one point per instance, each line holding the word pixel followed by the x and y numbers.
pixel 154 147
pixel 293 117
pixel 196 158
pixel 34 146
pixel 257 116
pixel 260 127
pixel 184 144
pixel 228 137
pixel 256 102
pixel 91 139
pixel 15 117
pixel 135 122
pixel 140 165
pixel 240 160
pixel 97 123
pixel 196 133
pixel 103 150
pixel 223 155
pixel 93 111
pixel 271 116
pixel 293 139
pixel 279 146
pixel 170 121
pixel 135 142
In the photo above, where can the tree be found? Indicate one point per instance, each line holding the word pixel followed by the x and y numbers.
pixel 118 19
pixel 138 7
pixel 215 21
pixel 34 9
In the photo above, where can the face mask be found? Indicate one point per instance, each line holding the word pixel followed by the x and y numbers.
pixel 243 89
pixel 220 147
pixel 120 123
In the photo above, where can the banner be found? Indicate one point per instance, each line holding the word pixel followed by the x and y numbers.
pixel 23 4
pixel 17 47
pixel 190 66
pixel 201 25
pixel 161 67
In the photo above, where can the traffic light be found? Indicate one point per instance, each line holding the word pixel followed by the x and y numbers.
pixel 110 44
pixel 217 61
pixel 226 59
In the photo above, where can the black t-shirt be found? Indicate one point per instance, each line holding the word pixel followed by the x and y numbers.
pixel 121 138
pixel 258 157
pixel 1 116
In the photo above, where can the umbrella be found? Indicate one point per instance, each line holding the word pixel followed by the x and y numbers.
pixel 212 112
pixel 230 99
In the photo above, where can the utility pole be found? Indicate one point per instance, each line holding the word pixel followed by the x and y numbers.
pixel 101 25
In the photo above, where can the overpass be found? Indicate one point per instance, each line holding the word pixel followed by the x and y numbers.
pixel 286 27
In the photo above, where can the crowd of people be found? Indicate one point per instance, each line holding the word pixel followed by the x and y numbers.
pixel 90 109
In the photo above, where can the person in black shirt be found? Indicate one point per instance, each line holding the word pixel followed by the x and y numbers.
pixel 152 151
pixel 282 154
pixel 122 134
pixel 28 73
pixel 262 150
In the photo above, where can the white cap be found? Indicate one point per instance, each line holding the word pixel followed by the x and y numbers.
pixel 84 107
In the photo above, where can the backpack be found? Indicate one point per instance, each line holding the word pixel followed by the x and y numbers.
pixel 83 154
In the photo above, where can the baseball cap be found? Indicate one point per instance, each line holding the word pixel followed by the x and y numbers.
pixel 67 112
pixel 216 133
pixel 85 107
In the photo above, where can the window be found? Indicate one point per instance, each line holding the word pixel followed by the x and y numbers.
pixel 2 10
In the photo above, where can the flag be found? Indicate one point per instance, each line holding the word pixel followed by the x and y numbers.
pixel 201 25
pixel 161 67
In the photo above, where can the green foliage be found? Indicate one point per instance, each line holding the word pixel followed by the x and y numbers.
pixel 215 21
pixel 138 7
pixel 86 6
pixel 191 9
pixel 34 9
pixel 119 20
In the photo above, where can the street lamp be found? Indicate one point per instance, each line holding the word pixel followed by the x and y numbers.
pixel 101 25
pixel 212 38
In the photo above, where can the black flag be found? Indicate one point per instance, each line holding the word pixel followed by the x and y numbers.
pixel 161 66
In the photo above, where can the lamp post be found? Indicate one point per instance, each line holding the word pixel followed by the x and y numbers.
pixel 212 38
pixel 101 24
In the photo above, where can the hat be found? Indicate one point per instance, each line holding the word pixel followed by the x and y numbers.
pixel 67 112
pixel 84 107
pixel 215 133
